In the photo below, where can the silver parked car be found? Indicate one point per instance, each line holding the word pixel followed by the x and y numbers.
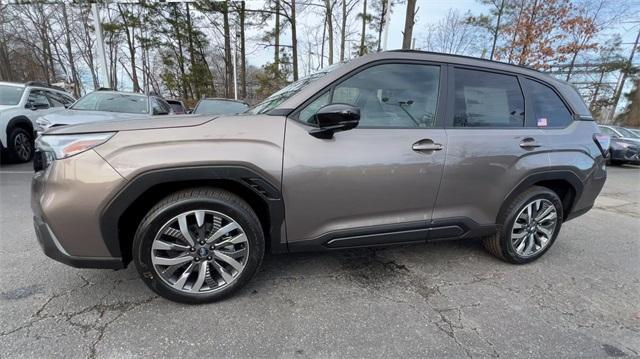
pixel 391 148
pixel 106 105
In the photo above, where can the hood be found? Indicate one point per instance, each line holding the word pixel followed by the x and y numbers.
pixel 7 107
pixel 73 117
pixel 634 141
pixel 150 122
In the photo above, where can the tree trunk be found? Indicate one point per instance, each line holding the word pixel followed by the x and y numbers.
pixel 409 21
pixel 294 41
pixel 228 65
pixel 131 44
pixel 364 28
pixel 72 65
pixel 525 47
pixel 180 57
pixel 192 56
pixel 496 30
pixel 243 57
pixel 618 93
pixel 329 20
pixel 343 33
pixel 276 35
pixel 383 13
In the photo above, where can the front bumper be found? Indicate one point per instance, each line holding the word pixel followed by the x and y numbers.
pixel 67 198
pixel 53 249
pixel 629 155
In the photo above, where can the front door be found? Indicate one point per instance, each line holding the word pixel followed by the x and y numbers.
pixel 378 182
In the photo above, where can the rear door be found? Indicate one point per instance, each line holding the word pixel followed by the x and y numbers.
pixel 490 147
pixel 376 183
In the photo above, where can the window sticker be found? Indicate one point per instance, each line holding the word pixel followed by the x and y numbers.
pixel 542 122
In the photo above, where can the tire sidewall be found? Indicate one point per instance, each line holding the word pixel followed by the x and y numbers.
pixel 149 228
pixel 522 201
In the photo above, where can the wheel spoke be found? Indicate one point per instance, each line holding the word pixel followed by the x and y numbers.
pixel 549 217
pixel 236 253
pixel 227 277
pixel 547 210
pixel 184 229
pixel 202 273
pixel 240 238
pixel 227 259
pixel 166 246
pixel 179 284
pixel 222 231
pixel 200 218
pixel 162 261
pixel 546 231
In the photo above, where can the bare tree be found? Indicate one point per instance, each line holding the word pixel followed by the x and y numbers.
pixel 452 35
pixel 409 21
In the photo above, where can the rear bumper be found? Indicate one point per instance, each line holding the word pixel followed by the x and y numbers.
pixel 53 249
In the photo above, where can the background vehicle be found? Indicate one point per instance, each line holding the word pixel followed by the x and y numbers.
pixel 20 106
pixel 178 107
pixel 106 105
pixel 636 131
pixel 393 147
pixel 625 145
pixel 219 106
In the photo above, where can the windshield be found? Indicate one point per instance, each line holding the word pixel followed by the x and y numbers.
pixel 112 102
pixel 219 107
pixel 626 133
pixel 10 95
pixel 284 94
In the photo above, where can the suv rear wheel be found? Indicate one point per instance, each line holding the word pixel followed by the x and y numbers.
pixel 198 245
pixel 528 226
pixel 20 145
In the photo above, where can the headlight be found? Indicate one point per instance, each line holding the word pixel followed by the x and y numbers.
pixel 42 124
pixel 63 146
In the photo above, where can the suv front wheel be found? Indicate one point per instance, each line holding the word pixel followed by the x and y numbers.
pixel 198 245
pixel 527 227
pixel 20 145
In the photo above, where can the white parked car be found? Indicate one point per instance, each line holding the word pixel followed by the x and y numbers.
pixel 20 106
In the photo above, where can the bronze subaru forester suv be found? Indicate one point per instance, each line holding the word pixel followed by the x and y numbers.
pixel 392 148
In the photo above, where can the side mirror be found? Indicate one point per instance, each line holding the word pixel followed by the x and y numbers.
pixel 335 118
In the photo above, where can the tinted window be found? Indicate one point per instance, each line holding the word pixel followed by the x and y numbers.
pixel 160 106
pixel 608 131
pixel 390 95
pixel 219 107
pixel 177 107
pixel 38 98
pixel 10 95
pixel 548 108
pixel 58 99
pixel 484 99
pixel 112 102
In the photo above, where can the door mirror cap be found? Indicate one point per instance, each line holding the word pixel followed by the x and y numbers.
pixel 335 118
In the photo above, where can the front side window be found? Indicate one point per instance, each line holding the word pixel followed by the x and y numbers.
pixel 388 95
pixel 112 102
pixel 38 99
pixel 58 99
pixel 548 108
pixel 10 95
pixel 485 99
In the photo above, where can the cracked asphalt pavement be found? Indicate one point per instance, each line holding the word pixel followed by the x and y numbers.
pixel 444 300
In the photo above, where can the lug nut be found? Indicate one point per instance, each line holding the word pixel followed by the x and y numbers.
pixel 197 259
pixel 209 258
pixel 192 249
pixel 202 242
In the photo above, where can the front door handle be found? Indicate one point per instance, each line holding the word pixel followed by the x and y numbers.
pixel 529 143
pixel 426 145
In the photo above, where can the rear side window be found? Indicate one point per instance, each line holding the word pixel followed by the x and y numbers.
pixel 485 99
pixel 548 108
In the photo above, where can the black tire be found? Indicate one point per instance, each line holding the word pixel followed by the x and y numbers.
pixel 194 199
pixel 501 245
pixel 20 145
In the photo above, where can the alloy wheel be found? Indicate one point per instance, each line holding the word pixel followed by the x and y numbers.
pixel 22 146
pixel 200 251
pixel 534 227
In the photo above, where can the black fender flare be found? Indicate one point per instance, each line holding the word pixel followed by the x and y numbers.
pixel 16 121
pixel 249 178
pixel 531 179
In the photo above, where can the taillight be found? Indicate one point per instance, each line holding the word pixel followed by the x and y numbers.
pixel 603 141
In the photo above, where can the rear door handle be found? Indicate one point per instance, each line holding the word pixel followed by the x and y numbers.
pixel 426 145
pixel 529 143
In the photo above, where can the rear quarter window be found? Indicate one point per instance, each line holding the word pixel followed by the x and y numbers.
pixel 547 107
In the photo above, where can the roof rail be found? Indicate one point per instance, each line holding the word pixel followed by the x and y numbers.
pixel 464 57
pixel 43 84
